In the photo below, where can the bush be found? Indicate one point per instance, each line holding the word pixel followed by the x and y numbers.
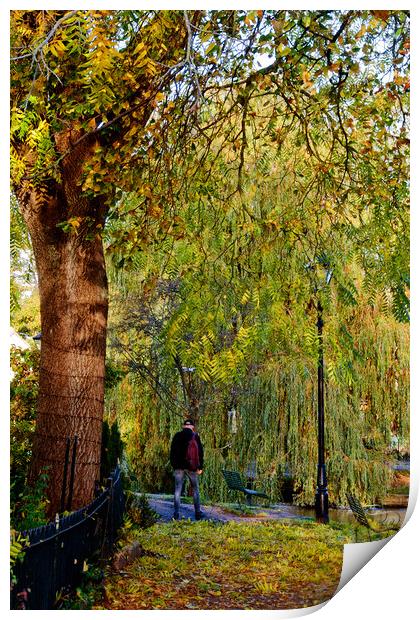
pixel 140 512
pixel 112 448
pixel 30 508
pixel 27 504
pixel 85 595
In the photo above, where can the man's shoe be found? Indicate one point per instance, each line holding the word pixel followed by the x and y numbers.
pixel 199 515
pixel 175 517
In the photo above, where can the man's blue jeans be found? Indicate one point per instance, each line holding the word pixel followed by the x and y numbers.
pixel 179 479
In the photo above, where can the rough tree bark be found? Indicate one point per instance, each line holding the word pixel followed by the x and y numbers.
pixel 74 307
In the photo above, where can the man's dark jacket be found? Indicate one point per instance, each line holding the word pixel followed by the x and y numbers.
pixel 179 449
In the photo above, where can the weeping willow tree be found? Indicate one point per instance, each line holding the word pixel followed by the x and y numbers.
pixel 218 321
pixel 262 410
pixel 269 419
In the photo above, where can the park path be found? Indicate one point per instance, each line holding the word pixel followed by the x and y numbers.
pixel 164 508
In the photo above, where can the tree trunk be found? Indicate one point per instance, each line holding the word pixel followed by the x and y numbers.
pixel 73 294
pixel 74 306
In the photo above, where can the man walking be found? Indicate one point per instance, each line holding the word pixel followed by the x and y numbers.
pixel 187 459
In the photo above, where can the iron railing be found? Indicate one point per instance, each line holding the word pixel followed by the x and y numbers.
pixel 57 554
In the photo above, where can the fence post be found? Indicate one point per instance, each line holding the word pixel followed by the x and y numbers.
pixel 56 551
pixel 66 466
pixel 111 510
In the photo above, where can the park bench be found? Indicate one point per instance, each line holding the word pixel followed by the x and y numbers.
pixel 363 519
pixel 234 483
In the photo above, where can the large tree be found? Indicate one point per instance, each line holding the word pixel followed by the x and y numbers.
pixel 105 101
pixel 73 73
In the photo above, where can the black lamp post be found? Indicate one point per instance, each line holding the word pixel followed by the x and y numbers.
pixel 321 495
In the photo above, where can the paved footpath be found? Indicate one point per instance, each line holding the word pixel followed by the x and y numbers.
pixel 165 510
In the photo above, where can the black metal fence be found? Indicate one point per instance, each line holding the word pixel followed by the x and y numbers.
pixel 58 552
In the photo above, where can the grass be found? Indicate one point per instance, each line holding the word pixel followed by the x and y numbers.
pixel 399 490
pixel 203 565
pixel 243 510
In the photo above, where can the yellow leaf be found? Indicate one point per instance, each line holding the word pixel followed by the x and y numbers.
pixel 140 50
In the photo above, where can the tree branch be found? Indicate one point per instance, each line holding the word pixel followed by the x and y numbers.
pixel 189 60
pixel 49 36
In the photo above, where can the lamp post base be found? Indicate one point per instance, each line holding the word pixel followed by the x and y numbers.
pixel 321 506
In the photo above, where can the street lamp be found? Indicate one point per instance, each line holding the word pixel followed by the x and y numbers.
pixel 321 495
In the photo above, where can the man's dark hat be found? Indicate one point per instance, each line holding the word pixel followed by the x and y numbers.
pixel 189 421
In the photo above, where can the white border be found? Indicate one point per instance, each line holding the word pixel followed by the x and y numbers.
pixel 386 588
